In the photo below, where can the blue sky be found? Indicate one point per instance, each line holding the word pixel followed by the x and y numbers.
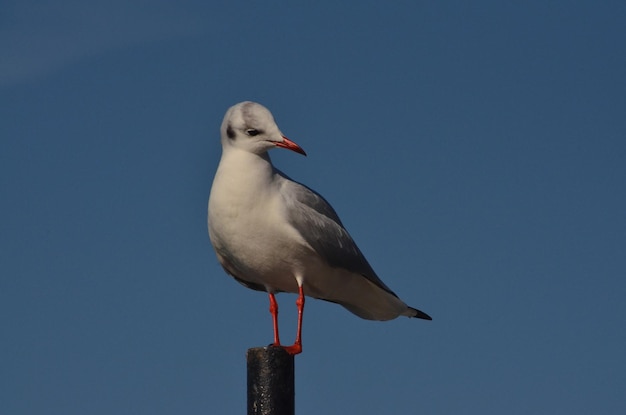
pixel 474 150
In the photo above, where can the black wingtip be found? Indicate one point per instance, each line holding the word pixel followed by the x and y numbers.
pixel 420 314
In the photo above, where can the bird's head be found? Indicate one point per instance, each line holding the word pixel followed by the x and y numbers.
pixel 251 127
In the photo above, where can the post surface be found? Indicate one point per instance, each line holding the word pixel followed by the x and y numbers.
pixel 271 388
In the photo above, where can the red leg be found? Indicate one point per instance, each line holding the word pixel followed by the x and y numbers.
pixel 297 346
pixel 274 311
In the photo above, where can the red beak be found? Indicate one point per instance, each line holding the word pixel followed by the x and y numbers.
pixel 290 145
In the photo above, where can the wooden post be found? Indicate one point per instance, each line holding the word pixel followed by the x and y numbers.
pixel 270 381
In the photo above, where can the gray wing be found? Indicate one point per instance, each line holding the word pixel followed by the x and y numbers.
pixel 311 215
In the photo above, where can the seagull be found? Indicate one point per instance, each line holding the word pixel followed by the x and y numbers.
pixel 273 234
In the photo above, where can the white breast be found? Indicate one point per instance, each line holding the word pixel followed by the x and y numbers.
pixel 247 223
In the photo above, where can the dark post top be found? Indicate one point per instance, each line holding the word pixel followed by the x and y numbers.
pixel 270 381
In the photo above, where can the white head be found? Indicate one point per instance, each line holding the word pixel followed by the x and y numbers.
pixel 250 126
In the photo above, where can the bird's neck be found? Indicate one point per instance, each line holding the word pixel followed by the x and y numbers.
pixel 244 170
pixel 244 160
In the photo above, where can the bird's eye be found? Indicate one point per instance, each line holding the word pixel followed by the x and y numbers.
pixel 252 132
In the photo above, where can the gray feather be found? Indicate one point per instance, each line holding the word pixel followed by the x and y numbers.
pixel 318 223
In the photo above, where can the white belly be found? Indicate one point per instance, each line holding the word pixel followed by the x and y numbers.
pixel 250 234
